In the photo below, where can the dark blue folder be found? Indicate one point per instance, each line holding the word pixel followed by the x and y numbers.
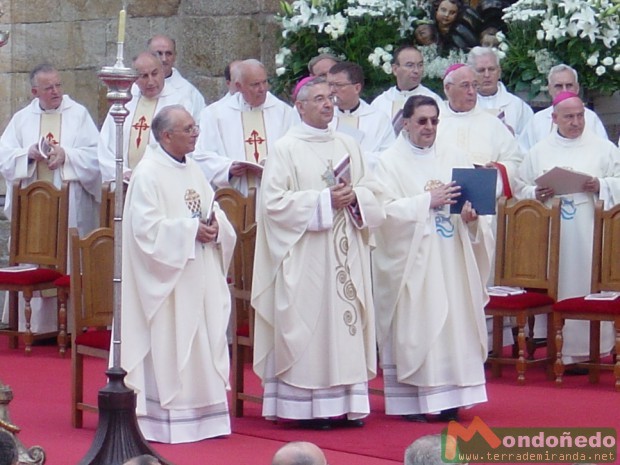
pixel 478 186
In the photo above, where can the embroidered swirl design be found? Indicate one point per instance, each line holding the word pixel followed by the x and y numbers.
pixel 444 226
pixel 568 210
pixel 345 287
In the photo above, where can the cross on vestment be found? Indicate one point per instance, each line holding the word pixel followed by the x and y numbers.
pixel 255 140
pixel 49 137
pixel 141 125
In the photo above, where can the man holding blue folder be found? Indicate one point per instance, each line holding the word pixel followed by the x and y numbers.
pixel 430 269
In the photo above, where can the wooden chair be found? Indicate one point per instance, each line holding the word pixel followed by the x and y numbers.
pixel 38 238
pixel 106 212
pixel 240 211
pixel 527 256
pixel 92 295
pixel 605 277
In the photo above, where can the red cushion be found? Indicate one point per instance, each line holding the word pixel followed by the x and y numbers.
pixel 97 338
pixel 243 330
pixel 63 281
pixel 580 305
pixel 40 275
pixel 519 301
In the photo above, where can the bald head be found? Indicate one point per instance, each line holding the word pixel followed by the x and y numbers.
pixel 460 87
pixel 150 74
pixel 252 82
pixel 299 453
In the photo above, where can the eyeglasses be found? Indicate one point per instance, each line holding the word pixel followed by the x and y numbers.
pixel 468 85
pixel 411 65
pixel 424 121
pixel 319 99
pixel 339 85
pixel 192 130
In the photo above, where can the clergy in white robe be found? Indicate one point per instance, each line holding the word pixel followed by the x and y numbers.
pixel 561 78
pixel 72 135
pixel 482 136
pixel 242 128
pixel 430 270
pixel 154 94
pixel 165 48
pixel 408 69
pixel 573 146
pixel 492 94
pixel 177 245
pixel 314 347
pixel 369 127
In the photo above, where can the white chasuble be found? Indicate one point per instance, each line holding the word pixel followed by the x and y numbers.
pixel 140 131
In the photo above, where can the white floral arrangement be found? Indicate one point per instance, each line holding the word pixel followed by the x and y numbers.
pixel 363 31
pixel 581 33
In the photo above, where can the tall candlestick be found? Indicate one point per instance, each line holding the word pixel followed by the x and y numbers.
pixel 121 26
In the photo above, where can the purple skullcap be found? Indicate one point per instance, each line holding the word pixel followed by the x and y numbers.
pixel 300 84
pixel 451 68
pixel 564 95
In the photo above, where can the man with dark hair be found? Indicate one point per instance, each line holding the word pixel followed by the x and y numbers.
pixel 177 245
pixel 408 69
pixel 353 116
pixel 314 343
pixel 299 453
pixel 430 269
pixel 8 449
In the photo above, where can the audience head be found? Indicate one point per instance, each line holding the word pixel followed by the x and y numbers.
pixel 175 130
pixel 166 49
pixel 321 64
pixel 485 63
pixel 420 119
pixel 460 86
pixel 488 37
pixel 562 78
pixel 231 74
pixel 425 451
pixel 407 67
pixel 143 460
pixel 8 449
pixel 45 85
pixel 346 81
pixel 314 103
pixel 299 453
pixel 150 74
pixel 252 82
pixel 446 13
pixel 426 34
pixel 569 114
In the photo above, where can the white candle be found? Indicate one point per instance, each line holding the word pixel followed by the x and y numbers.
pixel 121 26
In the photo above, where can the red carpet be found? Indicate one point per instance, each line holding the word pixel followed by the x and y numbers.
pixel 40 385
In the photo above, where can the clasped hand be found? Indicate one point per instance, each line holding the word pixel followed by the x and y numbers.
pixel 342 195
pixel 207 232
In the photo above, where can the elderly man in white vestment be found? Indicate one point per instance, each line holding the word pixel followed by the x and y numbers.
pixel 430 270
pixel 561 78
pixel 154 94
pixel 166 49
pixel 314 344
pixel 71 135
pixel 408 69
pixel 371 128
pixel 492 94
pixel 177 245
pixel 239 133
pixel 573 146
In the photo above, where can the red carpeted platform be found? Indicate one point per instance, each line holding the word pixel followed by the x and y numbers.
pixel 40 407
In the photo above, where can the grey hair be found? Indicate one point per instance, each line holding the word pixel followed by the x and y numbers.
pixel 449 79
pixel 40 68
pixel 163 120
pixel 239 72
pixel 302 94
pixel 558 69
pixel 425 450
pixel 145 459
pixel 479 52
